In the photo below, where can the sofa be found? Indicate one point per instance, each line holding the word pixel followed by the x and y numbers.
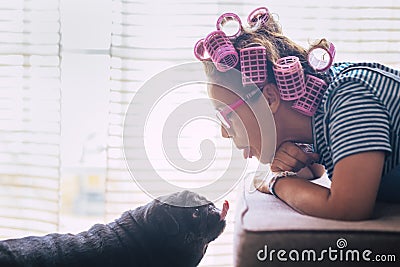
pixel 270 233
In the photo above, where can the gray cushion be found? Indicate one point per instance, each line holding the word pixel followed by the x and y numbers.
pixel 262 221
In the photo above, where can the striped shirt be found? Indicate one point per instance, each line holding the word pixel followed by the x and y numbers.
pixel 359 112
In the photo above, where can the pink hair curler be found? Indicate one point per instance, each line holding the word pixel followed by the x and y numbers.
pixel 258 17
pixel 320 58
pixel 289 78
pixel 230 18
pixel 308 103
pixel 200 52
pixel 253 65
pixel 221 51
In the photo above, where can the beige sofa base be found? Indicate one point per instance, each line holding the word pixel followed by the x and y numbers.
pixel 264 223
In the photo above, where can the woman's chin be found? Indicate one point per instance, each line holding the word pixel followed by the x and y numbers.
pixel 257 156
pixel 263 159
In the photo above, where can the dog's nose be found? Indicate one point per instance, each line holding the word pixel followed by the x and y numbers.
pixel 213 209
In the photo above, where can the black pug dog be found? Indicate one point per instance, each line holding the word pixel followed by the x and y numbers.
pixel 156 234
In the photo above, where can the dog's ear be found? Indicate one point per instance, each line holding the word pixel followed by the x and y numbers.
pixel 158 215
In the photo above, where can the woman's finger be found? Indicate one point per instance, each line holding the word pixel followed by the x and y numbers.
pixel 285 162
pixel 290 157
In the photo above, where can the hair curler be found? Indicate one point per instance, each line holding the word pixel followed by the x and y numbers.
pixel 200 51
pixel 320 58
pixel 308 103
pixel 221 51
pixel 258 16
pixel 289 78
pixel 230 18
pixel 253 65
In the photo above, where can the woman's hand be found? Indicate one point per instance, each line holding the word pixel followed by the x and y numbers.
pixel 290 157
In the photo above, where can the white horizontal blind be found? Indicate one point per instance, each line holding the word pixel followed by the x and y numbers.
pixel 148 37
pixel 29 117
pixel 361 30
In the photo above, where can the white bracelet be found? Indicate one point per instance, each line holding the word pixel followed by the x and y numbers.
pixel 275 178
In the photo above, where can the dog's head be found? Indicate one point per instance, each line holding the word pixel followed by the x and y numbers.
pixel 188 223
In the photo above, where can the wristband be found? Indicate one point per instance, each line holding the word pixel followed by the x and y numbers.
pixel 275 178
pixel 307 148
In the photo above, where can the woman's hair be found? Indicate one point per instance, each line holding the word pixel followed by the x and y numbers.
pixel 277 45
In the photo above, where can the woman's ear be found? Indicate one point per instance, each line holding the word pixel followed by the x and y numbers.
pixel 271 94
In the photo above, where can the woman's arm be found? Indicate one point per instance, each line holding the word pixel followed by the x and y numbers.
pixel 311 172
pixel 352 195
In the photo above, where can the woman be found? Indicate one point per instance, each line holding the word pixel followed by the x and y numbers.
pixel 355 131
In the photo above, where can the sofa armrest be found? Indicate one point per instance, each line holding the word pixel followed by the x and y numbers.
pixel 264 223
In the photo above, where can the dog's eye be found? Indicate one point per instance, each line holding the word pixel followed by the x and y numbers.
pixel 196 213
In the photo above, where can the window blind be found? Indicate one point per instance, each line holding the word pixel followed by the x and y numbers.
pixel 29 117
pixel 361 30
pixel 148 37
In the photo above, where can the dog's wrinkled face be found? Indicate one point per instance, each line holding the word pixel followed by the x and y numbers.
pixel 189 221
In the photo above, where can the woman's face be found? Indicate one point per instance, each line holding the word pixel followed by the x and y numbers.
pixel 247 124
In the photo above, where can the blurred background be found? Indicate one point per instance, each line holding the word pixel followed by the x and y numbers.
pixel 69 68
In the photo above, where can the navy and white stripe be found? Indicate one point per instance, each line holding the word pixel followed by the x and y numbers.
pixel 360 112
